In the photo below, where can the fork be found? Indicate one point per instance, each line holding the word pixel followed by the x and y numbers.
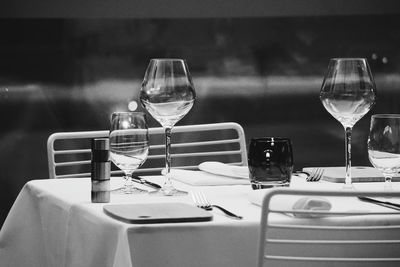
pixel 201 201
pixel 315 175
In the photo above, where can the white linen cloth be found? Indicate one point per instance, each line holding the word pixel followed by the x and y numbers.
pixel 256 196
pixel 223 169
pixel 358 174
pixel 202 178
pixel 213 173
pixel 53 223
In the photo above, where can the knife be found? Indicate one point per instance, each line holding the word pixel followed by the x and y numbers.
pixel 140 180
pixel 381 203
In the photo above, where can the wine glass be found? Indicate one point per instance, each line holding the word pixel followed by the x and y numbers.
pixel 384 145
pixel 168 94
pixel 129 145
pixel 348 92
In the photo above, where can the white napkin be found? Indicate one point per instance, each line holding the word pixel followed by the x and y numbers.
pixel 223 169
pixel 288 202
pixel 200 178
pixel 311 203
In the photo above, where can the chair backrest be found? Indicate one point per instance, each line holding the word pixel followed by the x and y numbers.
pixel 69 153
pixel 339 238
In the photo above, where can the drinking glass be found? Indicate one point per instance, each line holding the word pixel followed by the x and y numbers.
pixel 129 145
pixel 168 94
pixel 270 161
pixel 384 145
pixel 348 92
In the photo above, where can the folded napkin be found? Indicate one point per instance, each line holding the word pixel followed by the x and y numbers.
pixel 287 202
pixel 200 178
pixel 311 203
pixel 223 169
pixel 358 173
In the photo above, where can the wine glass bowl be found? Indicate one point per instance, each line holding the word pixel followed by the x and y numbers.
pixel 167 91
pixel 129 145
pixel 348 92
pixel 168 94
pixel 384 145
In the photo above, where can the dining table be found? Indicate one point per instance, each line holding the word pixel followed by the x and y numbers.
pixel 54 223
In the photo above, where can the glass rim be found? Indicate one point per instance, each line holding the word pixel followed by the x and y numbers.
pixel 127 112
pixel 269 139
pixel 348 59
pixel 168 59
pixel 386 115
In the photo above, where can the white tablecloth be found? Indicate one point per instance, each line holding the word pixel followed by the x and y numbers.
pixel 54 223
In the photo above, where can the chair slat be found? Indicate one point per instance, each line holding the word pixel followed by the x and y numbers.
pixel 367 239
pixel 231 149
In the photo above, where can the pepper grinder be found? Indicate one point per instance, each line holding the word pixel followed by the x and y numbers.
pixel 100 170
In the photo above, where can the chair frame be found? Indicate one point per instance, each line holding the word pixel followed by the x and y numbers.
pixel 242 151
pixel 266 259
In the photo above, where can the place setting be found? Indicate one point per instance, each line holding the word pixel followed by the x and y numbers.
pixel 168 94
pixel 348 92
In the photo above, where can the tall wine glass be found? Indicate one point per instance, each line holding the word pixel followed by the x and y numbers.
pixel 384 145
pixel 348 92
pixel 129 145
pixel 168 94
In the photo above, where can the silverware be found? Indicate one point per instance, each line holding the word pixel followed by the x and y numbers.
pixel 315 175
pixel 201 201
pixel 140 180
pixel 386 204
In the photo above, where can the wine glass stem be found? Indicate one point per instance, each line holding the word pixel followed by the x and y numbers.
pixel 347 142
pixel 128 181
pixel 167 182
pixel 388 182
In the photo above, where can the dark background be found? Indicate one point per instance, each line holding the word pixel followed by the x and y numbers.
pixel 264 72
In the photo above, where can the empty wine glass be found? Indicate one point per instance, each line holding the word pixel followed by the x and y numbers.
pixel 129 145
pixel 384 145
pixel 348 92
pixel 168 94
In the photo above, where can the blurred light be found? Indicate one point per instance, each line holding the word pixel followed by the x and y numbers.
pixel 385 60
pixel 4 92
pixel 125 124
pixel 132 106
pixel 374 56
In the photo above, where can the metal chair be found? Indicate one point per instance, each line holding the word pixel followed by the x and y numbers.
pixel 69 153
pixel 341 239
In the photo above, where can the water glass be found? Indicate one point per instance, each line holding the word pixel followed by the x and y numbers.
pixel 384 145
pixel 129 145
pixel 270 161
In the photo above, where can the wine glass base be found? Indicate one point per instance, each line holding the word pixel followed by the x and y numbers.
pixel 349 187
pixel 128 190
pixel 168 191
pixel 388 186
